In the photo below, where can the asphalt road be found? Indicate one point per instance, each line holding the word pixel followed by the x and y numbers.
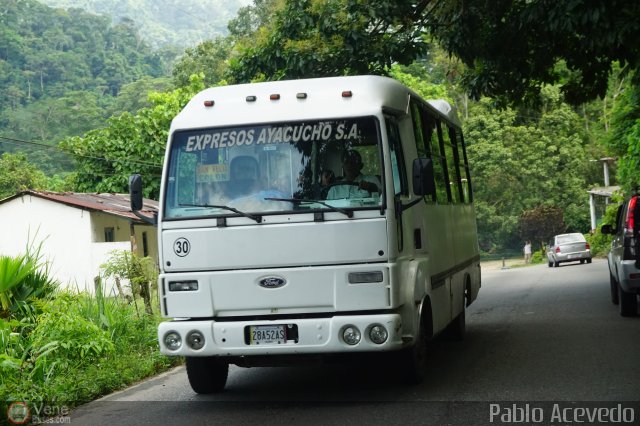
pixel 539 340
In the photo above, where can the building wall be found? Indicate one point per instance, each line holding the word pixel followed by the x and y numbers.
pixel 73 239
pixel 122 233
pixel 100 221
pixel 63 231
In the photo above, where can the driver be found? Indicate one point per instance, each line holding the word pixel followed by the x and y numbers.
pixel 353 184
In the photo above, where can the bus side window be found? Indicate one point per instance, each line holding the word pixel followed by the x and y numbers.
pixel 464 168
pixel 451 153
pixel 397 159
pixel 432 141
pixel 421 133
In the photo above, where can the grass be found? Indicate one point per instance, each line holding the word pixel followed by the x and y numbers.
pixel 75 348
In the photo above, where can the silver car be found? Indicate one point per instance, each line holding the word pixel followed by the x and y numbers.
pixel 568 248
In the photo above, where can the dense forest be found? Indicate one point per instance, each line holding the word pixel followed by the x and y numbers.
pixel 538 112
pixel 161 23
pixel 61 73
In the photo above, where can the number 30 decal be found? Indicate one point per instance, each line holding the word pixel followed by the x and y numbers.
pixel 181 247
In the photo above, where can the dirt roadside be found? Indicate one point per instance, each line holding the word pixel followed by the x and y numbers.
pixel 500 264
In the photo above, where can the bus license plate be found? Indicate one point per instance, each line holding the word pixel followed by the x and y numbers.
pixel 260 334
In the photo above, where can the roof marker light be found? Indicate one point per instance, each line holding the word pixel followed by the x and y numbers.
pixel 274 97
pixel 208 103
pixel 251 98
pixel 347 93
pixel 301 96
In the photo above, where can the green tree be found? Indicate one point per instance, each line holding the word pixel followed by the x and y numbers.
pixel 520 163
pixel 623 138
pixel 16 175
pixel 541 223
pixel 513 47
pixel 315 38
pixel 208 58
pixel 129 144
pixel 140 272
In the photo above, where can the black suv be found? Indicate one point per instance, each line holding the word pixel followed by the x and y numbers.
pixel 624 257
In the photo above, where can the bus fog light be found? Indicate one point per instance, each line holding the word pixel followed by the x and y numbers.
pixel 378 334
pixel 351 335
pixel 195 340
pixel 172 341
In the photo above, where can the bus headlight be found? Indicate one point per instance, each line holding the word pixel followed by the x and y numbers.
pixel 351 335
pixel 378 334
pixel 172 341
pixel 195 340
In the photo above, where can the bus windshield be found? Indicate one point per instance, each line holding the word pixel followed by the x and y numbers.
pixel 274 168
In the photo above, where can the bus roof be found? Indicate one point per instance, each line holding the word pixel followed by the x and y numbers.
pixel 295 100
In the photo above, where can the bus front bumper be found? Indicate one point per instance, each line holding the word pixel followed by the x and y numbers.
pixel 302 336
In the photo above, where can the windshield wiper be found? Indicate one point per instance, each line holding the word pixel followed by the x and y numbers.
pixel 348 213
pixel 255 217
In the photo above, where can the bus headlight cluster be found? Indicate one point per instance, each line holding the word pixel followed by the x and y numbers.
pixel 377 334
pixel 173 340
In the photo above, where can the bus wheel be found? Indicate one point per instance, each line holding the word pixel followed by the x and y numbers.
pixel 614 289
pixel 413 360
pixel 206 374
pixel 457 328
pixel 628 303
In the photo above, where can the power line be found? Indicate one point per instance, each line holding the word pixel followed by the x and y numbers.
pixel 42 145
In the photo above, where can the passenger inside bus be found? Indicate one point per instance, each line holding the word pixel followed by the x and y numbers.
pixel 243 174
pixel 327 178
pixel 353 184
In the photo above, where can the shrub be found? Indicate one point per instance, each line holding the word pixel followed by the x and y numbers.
pixel 62 334
pixel 538 257
pixel 22 279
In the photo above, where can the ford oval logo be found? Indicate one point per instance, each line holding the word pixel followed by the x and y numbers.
pixel 272 282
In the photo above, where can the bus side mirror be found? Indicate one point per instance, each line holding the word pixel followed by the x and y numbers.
pixel 423 181
pixel 135 192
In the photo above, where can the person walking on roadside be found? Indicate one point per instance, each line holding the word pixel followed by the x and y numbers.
pixel 527 252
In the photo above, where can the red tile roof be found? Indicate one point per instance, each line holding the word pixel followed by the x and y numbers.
pixel 114 204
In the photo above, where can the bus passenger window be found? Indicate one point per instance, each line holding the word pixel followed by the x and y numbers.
pixel 439 166
pixel 397 161
pixel 452 164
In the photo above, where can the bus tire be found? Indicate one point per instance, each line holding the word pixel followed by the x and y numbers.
pixel 206 374
pixel 614 289
pixel 413 360
pixel 457 328
pixel 628 303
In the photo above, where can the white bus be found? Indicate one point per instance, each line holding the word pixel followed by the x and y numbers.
pixel 313 218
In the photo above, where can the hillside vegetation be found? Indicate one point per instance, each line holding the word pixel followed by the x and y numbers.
pixel 181 23
pixel 60 74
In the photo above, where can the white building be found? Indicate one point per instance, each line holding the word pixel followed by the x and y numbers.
pixel 77 231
